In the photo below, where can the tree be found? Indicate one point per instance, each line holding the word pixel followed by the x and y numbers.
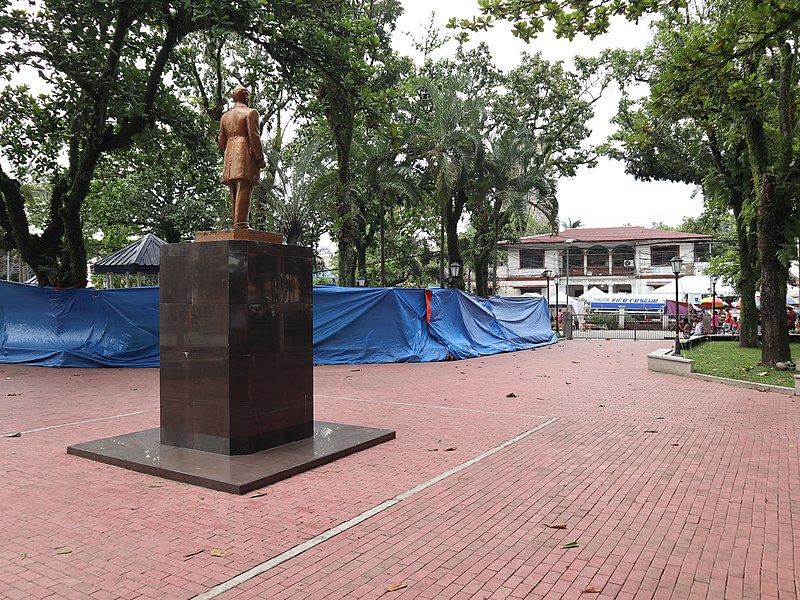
pixel 686 145
pixel 292 198
pixel 738 59
pixel 364 87
pixel 162 184
pixel 446 139
pixel 507 189
pixel 105 65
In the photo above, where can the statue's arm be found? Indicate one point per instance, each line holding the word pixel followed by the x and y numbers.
pixel 223 139
pixel 254 136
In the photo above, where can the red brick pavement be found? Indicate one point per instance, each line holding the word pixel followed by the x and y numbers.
pixel 703 508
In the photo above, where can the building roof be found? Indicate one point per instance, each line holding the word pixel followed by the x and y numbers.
pixel 611 234
pixel 142 256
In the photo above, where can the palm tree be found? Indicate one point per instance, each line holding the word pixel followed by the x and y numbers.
pixel 289 199
pixel 446 138
pixel 391 180
pixel 510 187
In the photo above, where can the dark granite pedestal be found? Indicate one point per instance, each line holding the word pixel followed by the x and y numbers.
pixel 237 408
pixel 143 452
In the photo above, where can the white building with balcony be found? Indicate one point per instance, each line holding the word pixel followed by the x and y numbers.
pixel 632 260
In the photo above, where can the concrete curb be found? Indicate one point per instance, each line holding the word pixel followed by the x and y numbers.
pixel 662 361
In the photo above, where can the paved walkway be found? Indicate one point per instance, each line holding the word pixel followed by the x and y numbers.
pixel 670 488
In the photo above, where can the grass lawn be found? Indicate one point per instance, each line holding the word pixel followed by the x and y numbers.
pixel 728 359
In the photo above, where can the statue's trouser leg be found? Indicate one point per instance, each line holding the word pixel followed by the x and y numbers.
pixel 241 208
pixel 232 188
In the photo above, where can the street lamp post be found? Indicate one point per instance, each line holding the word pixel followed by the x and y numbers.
pixel 547 274
pixel 566 287
pixel 556 280
pixel 362 281
pixel 455 271
pixel 676 264
pixel 714 279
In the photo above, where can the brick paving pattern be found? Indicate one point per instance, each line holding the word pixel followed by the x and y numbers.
pixel 671 488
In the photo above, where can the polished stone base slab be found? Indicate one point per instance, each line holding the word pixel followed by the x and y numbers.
pixel 238 234
pixel 143 452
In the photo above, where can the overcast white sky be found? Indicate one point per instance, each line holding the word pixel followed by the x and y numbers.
pixel 601 197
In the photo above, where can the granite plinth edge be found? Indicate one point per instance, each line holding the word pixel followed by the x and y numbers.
pixel 143 452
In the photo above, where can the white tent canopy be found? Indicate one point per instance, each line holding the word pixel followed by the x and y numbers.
pixel 593 293
pixel 692 285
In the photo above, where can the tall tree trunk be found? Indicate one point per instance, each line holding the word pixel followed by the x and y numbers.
pixel 340 113
pixel 442 221
pixel 361 259
pixel 749 271
pixel 454 213
pixel 774 330
pixel 747 283
pixel 498 204
pixel 739 182
pixel 383 239
pixel 481 265
pixel 772 223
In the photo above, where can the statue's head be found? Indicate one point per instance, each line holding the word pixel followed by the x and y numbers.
pixel 240 94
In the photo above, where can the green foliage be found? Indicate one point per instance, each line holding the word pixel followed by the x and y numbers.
pixel 115 69
pixel 727 359
pixel 293 198
pixel 162 184
pixel 569 17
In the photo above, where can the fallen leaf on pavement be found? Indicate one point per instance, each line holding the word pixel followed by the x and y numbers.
pixel 570 545
pixel 592 590
pixel 449 449
pixel 195 553
pixel 218 552
pixel 64 552
pixel 259 495
pixel 511 395
pixel 354 370
pixel 556 525
pixel 433 449
pixel 397 586
pixel 651 430
pixel 568 382
pixel 18 434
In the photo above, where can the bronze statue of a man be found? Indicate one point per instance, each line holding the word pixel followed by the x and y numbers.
pixel 240 140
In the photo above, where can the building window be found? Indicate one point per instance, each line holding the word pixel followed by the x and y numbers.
pixel 622 289
pixel 531 259
pixel 623 256
pixel 661 255
pixel 702 251
pixel 597 258
pixel 575 260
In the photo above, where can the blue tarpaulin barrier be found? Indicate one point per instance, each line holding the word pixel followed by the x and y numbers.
pixel 93 328
pixel 78 327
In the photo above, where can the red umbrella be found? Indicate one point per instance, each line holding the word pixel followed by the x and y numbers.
pixel 709 302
